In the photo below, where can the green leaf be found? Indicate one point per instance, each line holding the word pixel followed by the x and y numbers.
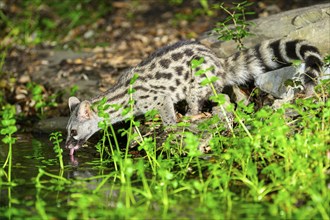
pixel 104 115
pixel 116 106
pixel 126 111
pixel 200 72
pixel 8 140
pixel 210 80
pixel 49 23
pixel 205 82
pixel 131 90
pixel 40 105
pixel 8 122
pixel 8 130
pixel 196 63
pixel 73 90
pixel 219 99
pixel 106 107
pixel 102 124
pixel 296 63
pixel 134 78
pixel 37 90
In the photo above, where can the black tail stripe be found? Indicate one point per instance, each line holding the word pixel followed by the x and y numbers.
pixel 308 48
pixel 314 62
pixel 291 49
pixel 275 46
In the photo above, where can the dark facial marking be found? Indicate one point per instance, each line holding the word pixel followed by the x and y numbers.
pixel 73 132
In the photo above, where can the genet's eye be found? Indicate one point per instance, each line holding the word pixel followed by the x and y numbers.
pixel 73 132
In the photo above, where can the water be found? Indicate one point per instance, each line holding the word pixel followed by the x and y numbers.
pixel 29 155
pixel 58 200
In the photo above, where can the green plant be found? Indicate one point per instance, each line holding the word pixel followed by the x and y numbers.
pixel 39 21
pixel 199 8
pixel 59 180
pixel 73 90
pixel 206 7
pixel 269 165
pixel 8 128
pixel 175 2
pixel 217 98
pixel 240 27
pixel 327 61
pixel 258 178
pixel 4 45
pixel 101 147
pixel 55 137
pixel 40 99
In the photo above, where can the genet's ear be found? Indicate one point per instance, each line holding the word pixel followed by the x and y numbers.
pixel 84 111
pixel 73 102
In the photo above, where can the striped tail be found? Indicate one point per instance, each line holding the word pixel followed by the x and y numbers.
pixel 279 53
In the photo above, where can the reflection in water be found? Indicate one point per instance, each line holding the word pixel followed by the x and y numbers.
pixel 31 155
pixel 73 161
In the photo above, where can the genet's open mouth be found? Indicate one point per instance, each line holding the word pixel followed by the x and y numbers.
pixel 73 145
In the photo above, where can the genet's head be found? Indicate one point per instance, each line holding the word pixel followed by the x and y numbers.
pixel 82 124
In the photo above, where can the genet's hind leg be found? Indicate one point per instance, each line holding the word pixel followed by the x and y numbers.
pixel 166 110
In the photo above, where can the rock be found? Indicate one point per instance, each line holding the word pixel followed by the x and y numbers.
pixel 310 23
pixel 60 79
pixel 50 125
pixel 274 81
